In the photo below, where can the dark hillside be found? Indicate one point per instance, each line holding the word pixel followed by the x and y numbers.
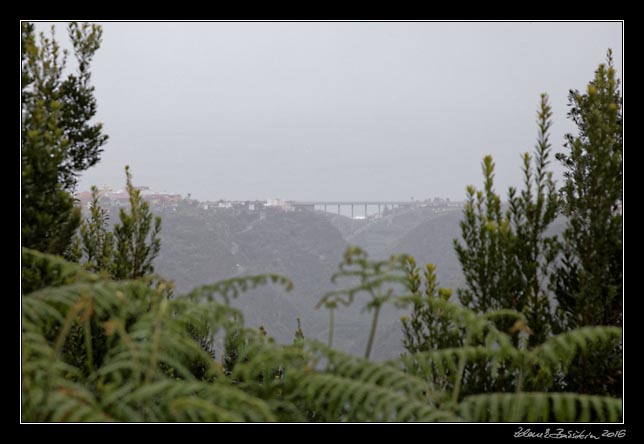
pixel 432 242
pixel 200 247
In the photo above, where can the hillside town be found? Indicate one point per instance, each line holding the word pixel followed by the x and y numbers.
pixel 120 198
pixel 164 202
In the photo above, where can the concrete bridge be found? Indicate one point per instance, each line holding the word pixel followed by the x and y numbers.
pixel 379 205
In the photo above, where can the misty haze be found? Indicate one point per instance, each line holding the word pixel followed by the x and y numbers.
pixel 319 220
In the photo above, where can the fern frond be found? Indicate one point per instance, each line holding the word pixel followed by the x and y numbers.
pixel 142 358
pixel 337 398
pixel 478 329
pixel 539 407
pixel 339 363
pixel 562 348
pixel 440 365
pixel 196 400
pixel 229 289
pixel 378 278
pixel 73 403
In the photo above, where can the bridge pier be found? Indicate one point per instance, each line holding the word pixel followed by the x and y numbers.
pixel 351 211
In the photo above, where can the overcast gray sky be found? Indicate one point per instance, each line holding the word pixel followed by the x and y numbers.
pixel 314 111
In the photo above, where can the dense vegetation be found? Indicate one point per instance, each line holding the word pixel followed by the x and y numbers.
pixel 95 349
pixel 104 339
pixel 58 140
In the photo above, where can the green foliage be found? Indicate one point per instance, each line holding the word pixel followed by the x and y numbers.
pixel 475 358
pixel 427 329
pixel 152 365
pixel 506 259
pixel 466 365
pixel 510 267
pixel 537 368
pixel 43 270
pixel 96 349
pixel 298 338
pixel 589 284
pixel 531 213
pixel 79 105
pixel 343 399
pixel 486 237
pixel 58 142
pixel 95 247
pixel 127 252
pixel 540 407
pixel 506 256
pixel 379 280
pixel 136 240
pixel 96 241
pixel 148 370
pixel 456 371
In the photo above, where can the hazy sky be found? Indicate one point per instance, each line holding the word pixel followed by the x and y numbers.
pixel 332 110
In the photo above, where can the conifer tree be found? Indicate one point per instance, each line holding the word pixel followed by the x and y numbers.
pixel 427 328
pixel 58 140
pixel 298 337
pixel 505 255
pixel 136 239
pixel 129 250
pixel 96 240
pixel 588 284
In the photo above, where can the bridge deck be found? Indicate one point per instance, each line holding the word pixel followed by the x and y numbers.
pixel 368 202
